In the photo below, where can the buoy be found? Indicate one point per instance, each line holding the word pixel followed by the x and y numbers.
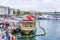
pixel 13 37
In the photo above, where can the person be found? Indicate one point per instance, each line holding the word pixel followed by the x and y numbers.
pixel 1 26
pixel 13 25
pixel 9 32
pixel 6 25
pixel 6 36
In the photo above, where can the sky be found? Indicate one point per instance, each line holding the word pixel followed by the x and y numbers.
pixel 31 4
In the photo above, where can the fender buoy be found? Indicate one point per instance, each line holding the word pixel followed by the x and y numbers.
pixel 13 37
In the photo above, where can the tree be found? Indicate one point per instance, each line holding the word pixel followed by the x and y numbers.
pixel 27 13
pixel 13 11
pixel 18 11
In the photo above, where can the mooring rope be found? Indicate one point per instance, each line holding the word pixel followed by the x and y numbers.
pixel 42 29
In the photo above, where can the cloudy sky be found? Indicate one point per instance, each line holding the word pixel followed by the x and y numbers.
pixel 31 4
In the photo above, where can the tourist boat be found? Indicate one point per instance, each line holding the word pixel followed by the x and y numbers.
pixel 27 26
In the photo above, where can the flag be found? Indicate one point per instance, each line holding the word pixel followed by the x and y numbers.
pixel 30 17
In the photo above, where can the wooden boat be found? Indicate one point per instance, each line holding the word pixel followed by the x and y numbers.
pixel 27 26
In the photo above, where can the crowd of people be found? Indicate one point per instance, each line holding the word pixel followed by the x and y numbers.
pixel 5 33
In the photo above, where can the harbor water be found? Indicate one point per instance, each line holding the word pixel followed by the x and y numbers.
pixel 52 28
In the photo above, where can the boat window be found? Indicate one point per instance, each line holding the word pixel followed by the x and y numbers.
pixel 28 24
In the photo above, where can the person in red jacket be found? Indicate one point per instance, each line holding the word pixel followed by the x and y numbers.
pixel 6 25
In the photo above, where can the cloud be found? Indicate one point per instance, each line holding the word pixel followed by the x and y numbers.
pixel 31 4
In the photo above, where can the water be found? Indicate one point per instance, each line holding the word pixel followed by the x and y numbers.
pixel 52 28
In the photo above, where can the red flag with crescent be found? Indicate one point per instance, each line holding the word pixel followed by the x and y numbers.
pixel 30 17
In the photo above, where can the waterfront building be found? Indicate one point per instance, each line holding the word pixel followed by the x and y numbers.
pixel 4 10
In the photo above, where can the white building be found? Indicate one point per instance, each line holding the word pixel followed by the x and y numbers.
pixel 4 10
pixel 11 11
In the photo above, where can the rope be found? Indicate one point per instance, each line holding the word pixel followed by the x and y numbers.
pixel 43 31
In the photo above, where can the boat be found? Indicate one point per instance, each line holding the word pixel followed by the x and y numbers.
pixel 28 29
pixel 27 26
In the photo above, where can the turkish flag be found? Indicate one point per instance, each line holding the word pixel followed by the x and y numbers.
pixel 30 17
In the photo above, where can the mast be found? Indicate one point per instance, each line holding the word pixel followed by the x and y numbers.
pixel 55 14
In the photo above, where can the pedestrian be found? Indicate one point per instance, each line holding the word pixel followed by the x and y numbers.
pixel 6 36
